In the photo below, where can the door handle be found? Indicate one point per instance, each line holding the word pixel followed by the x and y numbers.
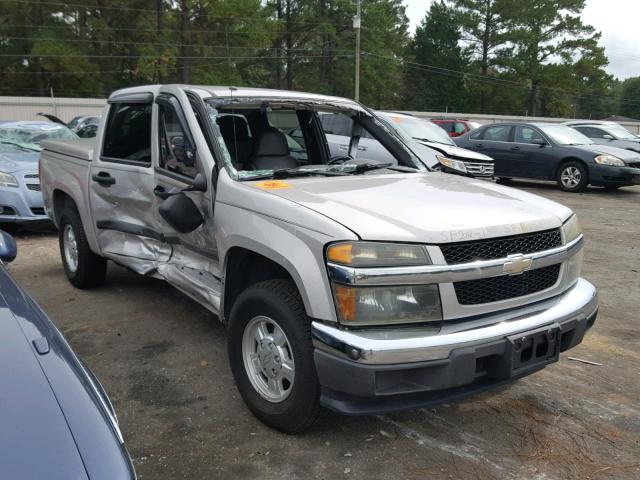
pixel 515 148
pixel 160 192
pixel 103 178
pixel 479 145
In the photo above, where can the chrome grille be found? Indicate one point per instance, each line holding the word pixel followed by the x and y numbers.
pixel 464 252
pixel 494 289
pixel 479 169
pixel 33 186
pixel 32 175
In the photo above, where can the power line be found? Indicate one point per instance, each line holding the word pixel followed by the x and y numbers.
pixel 173 12
pixel 190 57
pixel 194 45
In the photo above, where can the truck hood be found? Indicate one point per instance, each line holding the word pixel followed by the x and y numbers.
pixel 36 441
pixel 454 151
pixel 427 208
pixel 621 153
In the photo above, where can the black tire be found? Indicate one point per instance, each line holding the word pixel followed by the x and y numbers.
pixel 577 177
pixel 280 301
pixel 91 269
pixel 503 179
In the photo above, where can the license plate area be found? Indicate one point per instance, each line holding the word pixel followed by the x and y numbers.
pixel 532 350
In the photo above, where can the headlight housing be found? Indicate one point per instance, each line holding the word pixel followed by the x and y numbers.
pixel 380 304
pixel 384 305
pixel 609 160
pixel 374 254
pixel 571 229
pixel 452 164
pixel 7 180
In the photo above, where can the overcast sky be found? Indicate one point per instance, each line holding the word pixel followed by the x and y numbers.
pixel 616 19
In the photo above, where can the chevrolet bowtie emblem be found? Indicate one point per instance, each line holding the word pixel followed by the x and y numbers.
pixel 516 264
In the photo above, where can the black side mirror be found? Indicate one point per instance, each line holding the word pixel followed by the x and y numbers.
pixel 181 213
pixel 8 247
pixel 539 141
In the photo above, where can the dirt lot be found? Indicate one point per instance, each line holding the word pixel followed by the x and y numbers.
pixel 162 359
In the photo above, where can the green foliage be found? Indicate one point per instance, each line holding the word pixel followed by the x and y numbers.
pixel 436 43
pixel 629 101
pixel 493 56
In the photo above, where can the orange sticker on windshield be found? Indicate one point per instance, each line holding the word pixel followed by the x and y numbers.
pixel 273 185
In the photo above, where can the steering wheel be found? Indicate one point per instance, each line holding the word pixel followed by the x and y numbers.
pixel 339 160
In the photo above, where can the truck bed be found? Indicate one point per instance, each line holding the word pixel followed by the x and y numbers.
pixel 81 148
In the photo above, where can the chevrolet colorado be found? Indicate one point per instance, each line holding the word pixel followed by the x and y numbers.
pixel 344 282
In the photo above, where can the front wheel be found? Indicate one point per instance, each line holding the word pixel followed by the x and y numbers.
pixel 271 355
pixel 83 268
pixel 573 177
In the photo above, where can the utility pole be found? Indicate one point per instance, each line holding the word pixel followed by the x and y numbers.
pixel 356 26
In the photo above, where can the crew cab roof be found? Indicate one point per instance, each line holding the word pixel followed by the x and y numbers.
pixel 213 91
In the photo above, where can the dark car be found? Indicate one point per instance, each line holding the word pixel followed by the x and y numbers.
pixel 551 151
pixel 56 421
pixel 456 128
pixel 607 133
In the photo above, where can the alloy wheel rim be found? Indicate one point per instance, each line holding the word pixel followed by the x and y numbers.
pixel 70 247
pixel 268 359
pixel 571 177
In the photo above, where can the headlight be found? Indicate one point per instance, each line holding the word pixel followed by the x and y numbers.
pixel 359 306
pixel 7 180
pixel 571 229
pixel 452 164
pixel 373 254
pixel 609 160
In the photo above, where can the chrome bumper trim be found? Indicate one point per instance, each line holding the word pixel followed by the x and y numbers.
pixel 424 274
pixel 390 346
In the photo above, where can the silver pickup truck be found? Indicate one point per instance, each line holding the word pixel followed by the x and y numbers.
pixel 343 282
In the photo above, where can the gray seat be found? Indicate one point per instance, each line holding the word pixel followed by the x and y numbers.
pixel 272 152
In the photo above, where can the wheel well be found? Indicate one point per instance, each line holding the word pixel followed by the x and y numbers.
pixel 571 159
pixel 60 201
pixel 245 268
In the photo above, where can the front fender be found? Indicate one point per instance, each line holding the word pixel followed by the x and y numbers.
pixel 299 250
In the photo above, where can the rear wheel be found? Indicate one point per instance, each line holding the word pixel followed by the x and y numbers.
pixel 83 268
pixel 271 355
pixel 573 177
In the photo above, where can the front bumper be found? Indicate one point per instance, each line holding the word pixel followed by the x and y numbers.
pixel 22 204
pixel 373 371
pixel 600 175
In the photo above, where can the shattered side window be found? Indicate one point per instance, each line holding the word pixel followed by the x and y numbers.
pixel 226 156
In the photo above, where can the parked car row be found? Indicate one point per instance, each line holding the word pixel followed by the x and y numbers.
pixel 551 151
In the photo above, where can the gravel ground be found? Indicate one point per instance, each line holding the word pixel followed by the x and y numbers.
pixel 162 359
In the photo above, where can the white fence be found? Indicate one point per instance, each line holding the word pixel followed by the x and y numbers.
pixel 27 108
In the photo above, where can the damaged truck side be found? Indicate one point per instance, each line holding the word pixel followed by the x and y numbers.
pixel 362 286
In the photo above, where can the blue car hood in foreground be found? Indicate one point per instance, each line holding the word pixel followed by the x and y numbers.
pixel 13 162
pixel 56 422
pixel 35 441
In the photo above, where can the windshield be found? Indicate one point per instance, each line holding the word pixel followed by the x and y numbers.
pixel 418 129
pixel 563 135
pixel 29 135
pixel 618 131
pixel 281 138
